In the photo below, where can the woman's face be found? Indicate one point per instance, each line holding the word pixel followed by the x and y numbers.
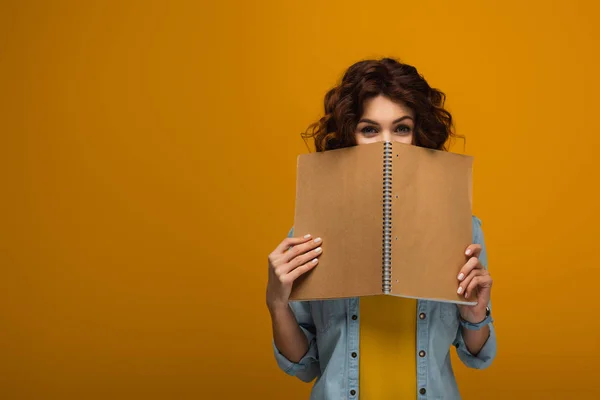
pixel 385 120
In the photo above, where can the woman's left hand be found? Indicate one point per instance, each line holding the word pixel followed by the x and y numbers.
pixel 475 282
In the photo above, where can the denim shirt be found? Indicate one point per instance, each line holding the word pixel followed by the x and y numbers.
pixel 332 330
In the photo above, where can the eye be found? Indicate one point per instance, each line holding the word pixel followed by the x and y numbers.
pixel 368 130
pixel 404 129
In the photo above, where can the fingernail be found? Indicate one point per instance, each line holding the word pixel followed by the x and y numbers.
pixel 461 276
pixel 466 295
pixel 468 252
pixel 460 289
pixel 307 236
pixel 318 250
pixel 318 240
pixel 315 261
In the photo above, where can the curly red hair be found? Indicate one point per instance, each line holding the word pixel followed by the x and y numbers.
pixel 393 79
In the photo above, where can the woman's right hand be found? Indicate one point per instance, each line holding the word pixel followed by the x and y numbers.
pixel 292 258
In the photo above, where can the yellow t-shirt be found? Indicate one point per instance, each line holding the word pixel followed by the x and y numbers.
pixel 388 334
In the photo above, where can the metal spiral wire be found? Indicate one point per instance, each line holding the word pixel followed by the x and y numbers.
pixel 387 218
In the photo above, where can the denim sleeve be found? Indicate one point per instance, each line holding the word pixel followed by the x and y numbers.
pixel 488 352
pixel 308 367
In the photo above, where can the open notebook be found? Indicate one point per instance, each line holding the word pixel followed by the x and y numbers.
pixel 395 220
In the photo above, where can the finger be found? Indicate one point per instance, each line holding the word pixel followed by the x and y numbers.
pixel 462 287
pixel 471 264
pixel 287 242
pixel 304 268
pixel 300 249
pixel 300 260
pixel 477 282
pixel 277 258
pixel 473 250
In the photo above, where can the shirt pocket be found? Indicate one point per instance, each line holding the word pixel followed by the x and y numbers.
pixel 327 312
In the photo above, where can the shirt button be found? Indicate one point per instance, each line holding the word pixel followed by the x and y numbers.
pixel 422 391
pixel 352 392
pixel 422 315
pixel 354 318
pixel 422 353
pixel 354 354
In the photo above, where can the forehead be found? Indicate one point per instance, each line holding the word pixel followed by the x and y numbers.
pixel 383 108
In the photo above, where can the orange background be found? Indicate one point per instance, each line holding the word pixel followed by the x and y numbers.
pixel 147 158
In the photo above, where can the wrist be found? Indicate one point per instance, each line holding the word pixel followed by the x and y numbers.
pixel 277 306
pixel 475 321
pixel 476 316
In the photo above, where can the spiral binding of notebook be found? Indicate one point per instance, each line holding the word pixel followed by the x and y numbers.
pixel 387 218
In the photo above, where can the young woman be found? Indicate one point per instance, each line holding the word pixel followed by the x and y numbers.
pixel 347 344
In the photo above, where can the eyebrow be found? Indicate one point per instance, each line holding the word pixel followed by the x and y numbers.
pixel 370 121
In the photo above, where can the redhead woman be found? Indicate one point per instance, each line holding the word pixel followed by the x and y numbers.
pixel 347 346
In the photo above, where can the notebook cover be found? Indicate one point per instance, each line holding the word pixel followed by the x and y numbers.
pixel 431 221
pixel 339 196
